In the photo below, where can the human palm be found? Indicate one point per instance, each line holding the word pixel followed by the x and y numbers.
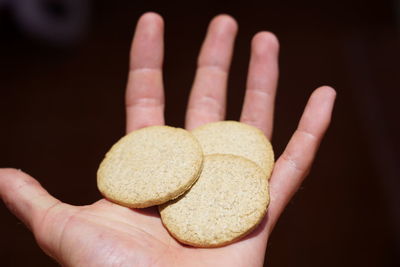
pixel 106 234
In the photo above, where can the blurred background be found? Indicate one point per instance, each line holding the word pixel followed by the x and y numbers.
pixel 63 69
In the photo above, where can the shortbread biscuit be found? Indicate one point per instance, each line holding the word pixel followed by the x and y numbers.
pixel 232 137
pixel 150 166
pixel 229 199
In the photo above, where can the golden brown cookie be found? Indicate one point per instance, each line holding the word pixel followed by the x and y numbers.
pixel 150 166
pixel 229 199
pixel 232 137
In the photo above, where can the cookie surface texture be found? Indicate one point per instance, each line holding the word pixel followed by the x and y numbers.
pixel 229 199
pixel 232 137
pixel 150 166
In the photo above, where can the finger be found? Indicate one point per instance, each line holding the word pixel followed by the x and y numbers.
pixel 258 107
pixel 295 162
pixel 144 93
pixel 25 197
pixel 208 96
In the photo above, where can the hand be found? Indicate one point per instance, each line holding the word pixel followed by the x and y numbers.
pixel 106 234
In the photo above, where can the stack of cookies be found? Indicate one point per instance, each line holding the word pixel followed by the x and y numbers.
pixel 211 184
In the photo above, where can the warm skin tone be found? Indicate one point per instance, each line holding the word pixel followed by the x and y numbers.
pixel 106 234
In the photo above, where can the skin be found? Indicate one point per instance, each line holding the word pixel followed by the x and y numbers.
pixel 106 234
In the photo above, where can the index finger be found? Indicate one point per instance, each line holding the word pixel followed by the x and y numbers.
pixel 258 107
pixel 144 93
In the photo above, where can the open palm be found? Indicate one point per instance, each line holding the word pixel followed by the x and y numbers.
pixel 106 234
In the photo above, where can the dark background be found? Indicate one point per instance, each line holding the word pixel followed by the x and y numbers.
pixel 62 107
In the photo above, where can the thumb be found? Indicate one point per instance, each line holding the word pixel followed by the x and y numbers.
pixel 25 197
pixel 43 214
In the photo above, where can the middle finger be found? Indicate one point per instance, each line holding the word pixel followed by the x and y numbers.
pixel 208 96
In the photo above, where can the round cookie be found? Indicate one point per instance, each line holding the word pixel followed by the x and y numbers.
pixel 150 166
pixel 229 199
pixel 232 137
